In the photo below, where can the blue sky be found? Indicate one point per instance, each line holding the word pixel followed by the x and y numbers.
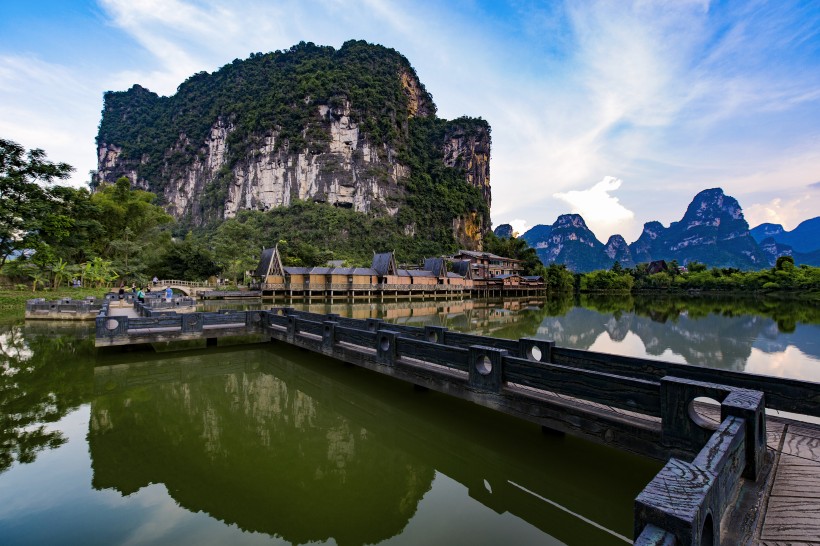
pixel 621 111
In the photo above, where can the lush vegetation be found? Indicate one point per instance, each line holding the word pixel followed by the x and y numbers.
pixel 272 91
pixel 784 278
pixel 279 93
pixel 119 234
pixel 51 235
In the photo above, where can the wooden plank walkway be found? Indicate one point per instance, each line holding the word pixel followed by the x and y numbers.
pixel 791 513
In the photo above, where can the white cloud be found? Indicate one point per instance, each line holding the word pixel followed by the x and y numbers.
pixel 603 213
pixel 519 225
pixel 788 212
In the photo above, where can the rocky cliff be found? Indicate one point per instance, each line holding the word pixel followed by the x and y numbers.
pixel 352 128
pixel 570 242
pixel 712 231
pixel 504 231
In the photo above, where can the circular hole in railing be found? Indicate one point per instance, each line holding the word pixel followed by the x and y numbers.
pixel 705 412
pixel 484 365
pixel 112 324
pixel 432 337
pixel 384 344
pixel 707 534
pixel 534 353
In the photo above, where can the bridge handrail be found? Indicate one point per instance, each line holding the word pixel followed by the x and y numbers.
pixel 192 284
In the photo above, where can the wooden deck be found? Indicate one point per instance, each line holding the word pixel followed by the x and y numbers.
pixel 790 505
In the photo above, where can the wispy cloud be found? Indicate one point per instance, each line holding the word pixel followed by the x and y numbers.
pixel 671 96
pixel 59 112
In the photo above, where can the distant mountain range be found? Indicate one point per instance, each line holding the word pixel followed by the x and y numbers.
pixel 712 231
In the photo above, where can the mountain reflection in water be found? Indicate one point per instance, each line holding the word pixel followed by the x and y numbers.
pixel 303 448
pixel 740 334
pixel 292 445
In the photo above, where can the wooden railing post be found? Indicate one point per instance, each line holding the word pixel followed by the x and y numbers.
pixel 537 350
pixel 373 324
pixel 192 322
pixel 434 334
pixel 328 336
pixel 292 327
pixel 386 347
pixel 683 431
pixel 751 407
pixel 486 368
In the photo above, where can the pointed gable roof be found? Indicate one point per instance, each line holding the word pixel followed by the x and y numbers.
pixel 384 264
pixel 463 268
pixel 270 263
pixel 436 265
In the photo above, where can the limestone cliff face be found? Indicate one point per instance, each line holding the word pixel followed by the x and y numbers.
pixel 350 172
pixel 347 149
pixel 470 152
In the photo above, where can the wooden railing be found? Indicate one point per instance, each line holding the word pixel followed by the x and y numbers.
pixel 40 308
pixel 638 405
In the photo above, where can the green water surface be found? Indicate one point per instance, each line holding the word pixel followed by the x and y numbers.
pixel 269 444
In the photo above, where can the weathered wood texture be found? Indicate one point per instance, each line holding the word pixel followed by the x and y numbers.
pixel 792 510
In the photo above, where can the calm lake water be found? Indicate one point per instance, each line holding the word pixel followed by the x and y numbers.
pixel 265 444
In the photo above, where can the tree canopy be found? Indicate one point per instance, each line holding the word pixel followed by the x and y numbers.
pixel 27 206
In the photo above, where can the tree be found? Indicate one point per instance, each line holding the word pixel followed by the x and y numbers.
pixel 25 203
pixel 558 278
pixel 784 263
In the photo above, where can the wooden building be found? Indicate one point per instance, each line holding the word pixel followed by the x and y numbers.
pixel 486 265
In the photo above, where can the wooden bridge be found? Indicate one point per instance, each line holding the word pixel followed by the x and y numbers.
pixel 728 469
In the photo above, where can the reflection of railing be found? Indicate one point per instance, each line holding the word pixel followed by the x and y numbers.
pixel 638 405
pixel 212 294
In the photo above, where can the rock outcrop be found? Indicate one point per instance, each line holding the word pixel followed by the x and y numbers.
pixel 570 242
pixel 504 231
pixel 712 231
pixel 310 123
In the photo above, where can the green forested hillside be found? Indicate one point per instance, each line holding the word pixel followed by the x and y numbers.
pixel 280 93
